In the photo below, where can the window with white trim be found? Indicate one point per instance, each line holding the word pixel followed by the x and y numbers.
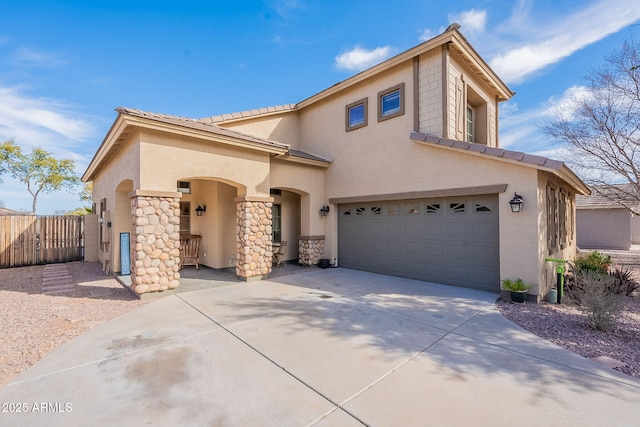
pixel 470 123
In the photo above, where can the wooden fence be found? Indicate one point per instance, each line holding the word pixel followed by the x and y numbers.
pixel 29 240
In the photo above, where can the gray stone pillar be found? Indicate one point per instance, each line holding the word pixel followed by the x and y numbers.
pixel 155 244
pixel 255 245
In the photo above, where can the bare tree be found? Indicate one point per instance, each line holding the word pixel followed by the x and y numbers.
pixel 601 128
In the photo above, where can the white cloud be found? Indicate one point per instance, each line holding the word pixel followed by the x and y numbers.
pixel 555 41
pixel 427 34
pixel 21 115
pixel 32 57
pixel 284 8
pixel 471 21
pixel 52 125
pixel 358 58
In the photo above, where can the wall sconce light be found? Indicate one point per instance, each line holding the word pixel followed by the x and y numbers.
pixel 324 211
pixel 516 203
pixel 201 210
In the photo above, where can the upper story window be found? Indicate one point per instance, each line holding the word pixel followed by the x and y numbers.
pixel 356 114
pixel 391 102
pixel 475 125
pixel 470 123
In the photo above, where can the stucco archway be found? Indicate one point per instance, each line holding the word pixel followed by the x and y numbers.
pixel 120 223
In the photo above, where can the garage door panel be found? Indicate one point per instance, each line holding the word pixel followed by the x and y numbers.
pixel 434 250
pixel 452 241
pixel 459 253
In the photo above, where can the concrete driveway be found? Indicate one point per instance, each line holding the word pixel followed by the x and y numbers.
pixel 332 347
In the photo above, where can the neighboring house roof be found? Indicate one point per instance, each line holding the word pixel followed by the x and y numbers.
pixel 604 196
pixel 542 163
pixel 451 37
pixel 6 211
pixel 130 117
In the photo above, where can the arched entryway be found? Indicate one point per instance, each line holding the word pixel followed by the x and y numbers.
pixel 120 222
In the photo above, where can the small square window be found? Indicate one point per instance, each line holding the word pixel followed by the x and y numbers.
pixel 356 115
pixel 184 187
pixel 391 102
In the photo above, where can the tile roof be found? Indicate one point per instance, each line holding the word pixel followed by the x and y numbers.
pixel 490 151
pixel 555 167
pixel 198 125
pixel 305 155
pixel 249 113
pixel 601 197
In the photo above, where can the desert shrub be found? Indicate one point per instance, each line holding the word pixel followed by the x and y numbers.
pixel 592 291
pixel 514 286
pixel 623 282
pixel 593 261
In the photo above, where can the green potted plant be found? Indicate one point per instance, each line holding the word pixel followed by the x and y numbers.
pixel 516 288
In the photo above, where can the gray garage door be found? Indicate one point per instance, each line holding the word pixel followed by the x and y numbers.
pixel 452 241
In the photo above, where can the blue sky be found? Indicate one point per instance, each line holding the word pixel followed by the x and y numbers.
pixel 65 65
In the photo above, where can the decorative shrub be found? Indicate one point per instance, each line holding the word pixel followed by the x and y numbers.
pixel 624 283
pixel 592 292
pixel 593 261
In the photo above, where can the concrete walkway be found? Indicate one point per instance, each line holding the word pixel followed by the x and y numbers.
pixel 332 347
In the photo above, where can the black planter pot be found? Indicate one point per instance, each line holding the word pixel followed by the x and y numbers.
pixel 519 297
pixel 324 263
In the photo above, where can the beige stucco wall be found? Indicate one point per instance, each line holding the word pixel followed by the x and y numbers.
pixel 308 182
pixel 604 228
pixel 191 158
pixel 290 203
pixel 283 127
pixel 547 275
pixel 217 226
pixel 124 167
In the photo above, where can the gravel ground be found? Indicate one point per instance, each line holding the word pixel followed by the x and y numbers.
pixel 567 325
pixel 33 324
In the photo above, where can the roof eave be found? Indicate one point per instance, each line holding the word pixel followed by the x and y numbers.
pixel 202 134
pixel 554 167
pixel 125 120
pixel 116 129
pixel 303 160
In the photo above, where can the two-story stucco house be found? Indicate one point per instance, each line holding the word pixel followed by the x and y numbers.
pixel 404 155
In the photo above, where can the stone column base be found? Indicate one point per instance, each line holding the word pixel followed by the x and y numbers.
pixel 311 249
pixel 155 244
pixel 255 247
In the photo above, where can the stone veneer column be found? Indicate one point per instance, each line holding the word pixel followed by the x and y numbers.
pixel 255 246
pixel 155 247
pixel 310 249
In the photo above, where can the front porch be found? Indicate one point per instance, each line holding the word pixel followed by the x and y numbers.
pixel 192 279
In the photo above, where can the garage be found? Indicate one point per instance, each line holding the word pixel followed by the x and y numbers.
pixel 452 241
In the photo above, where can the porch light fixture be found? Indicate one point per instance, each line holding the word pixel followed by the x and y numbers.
pixel 516 203
pixel 324 211
pixel 201 210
